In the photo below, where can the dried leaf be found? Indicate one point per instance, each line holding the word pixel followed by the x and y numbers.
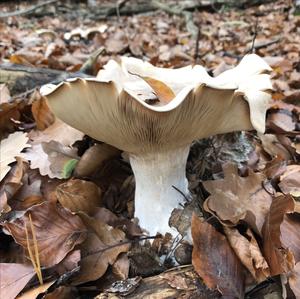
pixel 215 261
pixel 79 195
pixel 35 292
pixel 279 257
pixel 294 280
pixel 58 131
pixel 52 159
pixel 101 249
pixel 236 198
pixel 121 267
pixel 94 157
pixel 41 113
pixel 57 231
pixel 249 253
pixel 14 277
pixel 9 149
pixel 290 181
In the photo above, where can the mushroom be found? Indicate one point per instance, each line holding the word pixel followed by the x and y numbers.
pixel 116 108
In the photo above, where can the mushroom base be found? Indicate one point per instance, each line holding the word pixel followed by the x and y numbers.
pixel 155 197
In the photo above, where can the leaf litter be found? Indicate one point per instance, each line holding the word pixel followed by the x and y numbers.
pixel 246 186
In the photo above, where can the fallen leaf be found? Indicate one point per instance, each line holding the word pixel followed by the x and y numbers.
pixel 5 94
pixel 248 252
pixel 236 198
pixel 11 184
pixel 57 231
pixel 294 280
pixel 52 159
pixel 14 277
pixel 9 149
pixel 79 195
pixel 215 261
pixel 94 157
pixel 35 292
pixel 121 267
pixel 290 181
pixel 279 257
pixel 101 249
pixel 62 292
pixel 58 131
pixel 41 112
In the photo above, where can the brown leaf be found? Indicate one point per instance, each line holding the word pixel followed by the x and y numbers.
pixel 215 261
pixel 41 112
pixel 62 292
pixel 57 231
pixel 281 121
pixel 290 181
pixel 11 184
pixel 94 157
pixel 249 253
pixel 236 198
pixel 14 278
pixel 100 250
pixel 121 267
pixel 51 158
pixel 5 94
pixel 59 132
pixel 294 280
pixel 35 292
pixel 279 257
pixel 9 149
pixel 79 195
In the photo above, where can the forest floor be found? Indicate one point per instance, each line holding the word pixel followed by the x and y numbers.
pixel 67 227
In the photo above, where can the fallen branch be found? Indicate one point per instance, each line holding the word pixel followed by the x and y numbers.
pixel 20 78
pixel 26 10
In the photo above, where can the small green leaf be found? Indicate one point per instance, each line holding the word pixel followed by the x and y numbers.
pixel 69 167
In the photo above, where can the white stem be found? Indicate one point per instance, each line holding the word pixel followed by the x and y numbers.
pixel 155 198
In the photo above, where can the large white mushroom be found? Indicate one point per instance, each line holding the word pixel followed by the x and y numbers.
pixel 114 108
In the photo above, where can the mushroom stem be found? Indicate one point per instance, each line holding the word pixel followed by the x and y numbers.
pixel 155 197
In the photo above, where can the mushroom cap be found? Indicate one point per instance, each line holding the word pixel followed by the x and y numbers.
pixel 112 107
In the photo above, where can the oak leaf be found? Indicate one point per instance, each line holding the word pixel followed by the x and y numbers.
pixel 236 198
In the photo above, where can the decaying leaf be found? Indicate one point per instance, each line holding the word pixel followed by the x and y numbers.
pixel 13 278
pixel 11 184
pixel 294 280
pixel 58 131
pixel 94 157
pixel 277 252
pixel 215 261
pixel 236 198
pixel 121 266
pixel 52 159
pixel 164 93
pixel 41 112
pixel 290 181
pixel 35 292
pixel 101 249
pixel 79 195
pixel 249 253
pixel 9 149
pixel 57 231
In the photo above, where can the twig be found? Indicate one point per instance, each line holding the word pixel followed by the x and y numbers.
pixel 196 55
pixel 252 50
pixel 26 10
pixel 184 196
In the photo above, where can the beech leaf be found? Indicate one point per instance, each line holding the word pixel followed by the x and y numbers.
pixel 13 278
pixel 57 231
pixel 215 261
pixel 9 149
